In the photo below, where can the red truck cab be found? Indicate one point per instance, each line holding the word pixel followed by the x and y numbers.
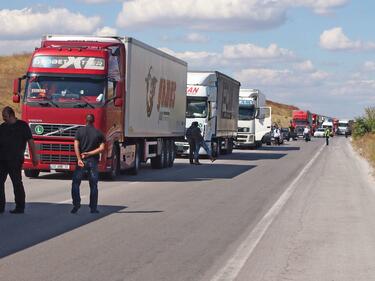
pixel 64 82
pixel 300 120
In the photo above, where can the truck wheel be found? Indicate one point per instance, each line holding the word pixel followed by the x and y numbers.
pixel 215 149
pixel 230 147
pixel 158 161
pixel 137 162
pixel 32 173
pixel 115 165
pixel 167 153
pixel 172 154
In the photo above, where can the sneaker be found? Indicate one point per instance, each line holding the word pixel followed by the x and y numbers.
pixel 75 209
pixel 94 211
pixel 197 163
pixel 213 159
pixel 17 211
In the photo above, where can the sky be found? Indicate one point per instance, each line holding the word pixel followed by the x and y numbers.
pixel 314 54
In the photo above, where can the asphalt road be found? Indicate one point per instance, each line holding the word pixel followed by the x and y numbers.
pixel 301 211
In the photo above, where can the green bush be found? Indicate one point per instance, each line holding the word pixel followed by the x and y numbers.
pixel 365 124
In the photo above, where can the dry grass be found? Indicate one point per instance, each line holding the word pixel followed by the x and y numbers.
pixel 11 67
pixel 366 147
pixel 281 113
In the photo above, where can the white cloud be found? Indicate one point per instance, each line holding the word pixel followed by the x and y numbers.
pixel 320 6
pixel 369 66
pixel 196 38
pixel 280 77
pixel 235 55
pixel 95 1
pixel 11 47
pixel 106 31
pixel 306 66
pixel 335 40
pixel 30 23
pixel 218 15
pixel 251 51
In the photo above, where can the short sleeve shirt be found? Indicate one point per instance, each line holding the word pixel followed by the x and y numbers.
pixel 13 139
pixel 89 139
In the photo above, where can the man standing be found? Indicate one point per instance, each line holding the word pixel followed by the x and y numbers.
pixel 277 134
pixel 14 134
pixel 191 142
pixel 88 144
pixel 196 135
pixel 327 133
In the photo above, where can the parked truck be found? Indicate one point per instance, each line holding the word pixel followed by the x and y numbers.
pixel 254 119
pixel 212 101
pixel 300 120
pixel 344 127
pixel 137 94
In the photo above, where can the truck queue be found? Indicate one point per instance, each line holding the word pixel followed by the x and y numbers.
pixel 142 99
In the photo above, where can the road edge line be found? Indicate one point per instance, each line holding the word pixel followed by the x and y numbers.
pixel 235 264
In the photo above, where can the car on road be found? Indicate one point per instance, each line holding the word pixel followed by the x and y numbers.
pixel 285 133
pixel 319 133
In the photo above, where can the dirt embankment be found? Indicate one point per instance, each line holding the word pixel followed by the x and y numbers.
pixel 281 113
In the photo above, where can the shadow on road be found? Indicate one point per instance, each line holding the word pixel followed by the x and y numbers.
pixel 279 148
pixel 44 221
pixel 253 156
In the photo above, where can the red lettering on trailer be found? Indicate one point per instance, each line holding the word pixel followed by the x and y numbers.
pixel 192 90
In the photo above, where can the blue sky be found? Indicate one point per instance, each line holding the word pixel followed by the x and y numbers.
pixel 315 54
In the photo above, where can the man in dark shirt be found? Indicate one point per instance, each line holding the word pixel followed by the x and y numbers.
pixel 88 144
pixel 191 142
pixel 196 135
pixel 14 134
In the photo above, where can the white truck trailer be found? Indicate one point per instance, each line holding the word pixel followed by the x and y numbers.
pixel 212 101
pixel 254 119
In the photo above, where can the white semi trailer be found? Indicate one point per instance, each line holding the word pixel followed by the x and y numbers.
pixel 212 101
pixel 254 119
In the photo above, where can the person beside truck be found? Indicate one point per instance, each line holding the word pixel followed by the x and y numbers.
pixel 327 134
pixel 88 145
pixel 14 136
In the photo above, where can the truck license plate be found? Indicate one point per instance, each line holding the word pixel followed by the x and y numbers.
pixel 59 167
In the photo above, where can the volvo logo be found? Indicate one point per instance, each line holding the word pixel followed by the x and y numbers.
pixel 39 130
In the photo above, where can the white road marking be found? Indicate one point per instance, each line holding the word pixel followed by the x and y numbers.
pixel 234 265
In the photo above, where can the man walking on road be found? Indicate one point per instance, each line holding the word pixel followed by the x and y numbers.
pixel 191 142
pixel 196 135
pixel 14 134
pixel 88 144
pixel 327 133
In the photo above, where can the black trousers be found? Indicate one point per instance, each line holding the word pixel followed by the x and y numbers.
pixel 327 140
pixel 192 146
pixel 13 169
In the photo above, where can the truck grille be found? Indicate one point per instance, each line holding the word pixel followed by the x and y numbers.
pixel 57 147
pixel 51 158
pixel 54 130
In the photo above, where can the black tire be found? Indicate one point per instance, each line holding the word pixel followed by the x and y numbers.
pixel 31 173
pixel 172 154
pixel 158 161
pixel 215 149
pixel 137 162
pixel 230 147
pixel 115 167
pixel 167 153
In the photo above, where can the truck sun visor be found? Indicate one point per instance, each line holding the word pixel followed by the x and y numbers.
pixel 91 63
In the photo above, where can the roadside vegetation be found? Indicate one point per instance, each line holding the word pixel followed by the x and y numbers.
pixel 281 113
pixel 364 135
pixel 11 67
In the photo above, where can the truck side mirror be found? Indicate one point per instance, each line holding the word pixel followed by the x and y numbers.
pixel 16 86
pixel 16 90
pixel 257 112
pixel 212 109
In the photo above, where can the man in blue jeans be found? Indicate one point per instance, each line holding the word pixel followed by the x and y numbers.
pixel 196 135
pixel 88 144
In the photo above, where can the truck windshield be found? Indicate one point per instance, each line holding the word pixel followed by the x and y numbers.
pixel 246 112
pixel 300 122
pixel 343 124
pixel 196 107
pixel 65 92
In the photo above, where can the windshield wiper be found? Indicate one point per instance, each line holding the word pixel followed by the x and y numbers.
pixel 84 104
pixel 47 102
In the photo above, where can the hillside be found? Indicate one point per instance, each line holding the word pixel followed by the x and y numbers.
pixel 12 67
pixel 281 113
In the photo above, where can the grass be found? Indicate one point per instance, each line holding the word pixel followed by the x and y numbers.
pixel 365 145
pixel 281 113
pixel 11 67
